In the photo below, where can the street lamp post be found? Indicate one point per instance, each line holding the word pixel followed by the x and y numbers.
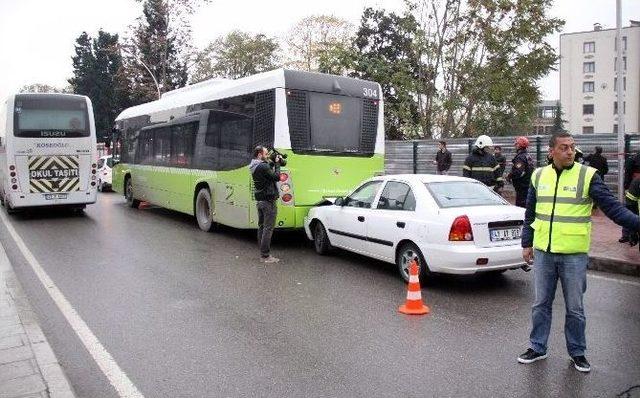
pixel 152 76
pixel 620 99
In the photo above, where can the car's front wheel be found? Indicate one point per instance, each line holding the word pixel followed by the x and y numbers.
pixel 405 255
pixel 320 239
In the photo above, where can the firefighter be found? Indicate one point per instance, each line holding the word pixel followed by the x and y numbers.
pixel 481 165
pixel 522 166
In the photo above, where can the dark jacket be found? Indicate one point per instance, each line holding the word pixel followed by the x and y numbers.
pixel 631 167
pixel 599 162
pixel 264 180
pixel 502 162
pixel 443 160
pixel 600 194
pixel 483 167
pixel 522 167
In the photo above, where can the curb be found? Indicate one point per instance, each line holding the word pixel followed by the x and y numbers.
pixel 614 266
pixel 57 384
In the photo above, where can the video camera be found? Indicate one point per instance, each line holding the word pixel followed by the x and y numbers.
pixel 273 154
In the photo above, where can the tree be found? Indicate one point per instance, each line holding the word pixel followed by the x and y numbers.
pixel 311 38
pixel 383 52
pixel 236 55
pixel 98 73
pixel 159 51
pixel 558 123
pixel 42 88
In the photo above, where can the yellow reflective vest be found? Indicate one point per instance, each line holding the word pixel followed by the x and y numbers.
pixel 563 209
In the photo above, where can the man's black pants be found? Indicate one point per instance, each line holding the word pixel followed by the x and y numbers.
pixel 267 211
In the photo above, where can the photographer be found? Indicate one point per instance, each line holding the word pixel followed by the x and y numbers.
pixel 265 175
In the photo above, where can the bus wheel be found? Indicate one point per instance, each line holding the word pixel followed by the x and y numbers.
pixel 203 210
pixel 128 193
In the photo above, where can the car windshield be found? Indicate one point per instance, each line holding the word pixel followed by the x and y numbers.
pixel 463 193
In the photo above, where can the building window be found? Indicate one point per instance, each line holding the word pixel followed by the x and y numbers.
pixel 624 43
pixel 587 129
pixel 589 47
pixel 615 129
pixel 615 107
pixel 589 67
pixel 624 63
pixel 587 109
pixel 588 87
pixel 624 83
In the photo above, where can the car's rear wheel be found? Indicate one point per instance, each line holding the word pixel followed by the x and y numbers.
pixel 203 212
pixel 405 255
pixel 320 239
pixel 128 193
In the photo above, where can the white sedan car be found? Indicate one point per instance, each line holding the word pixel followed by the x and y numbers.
pixel 448 224
pixel 105 163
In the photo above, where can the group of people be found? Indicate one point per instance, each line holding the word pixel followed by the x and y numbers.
pixel 487 164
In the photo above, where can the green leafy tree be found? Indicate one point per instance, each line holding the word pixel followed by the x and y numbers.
pixel 558 123
pixel 236 55
pixel 98 73
pixel 159 53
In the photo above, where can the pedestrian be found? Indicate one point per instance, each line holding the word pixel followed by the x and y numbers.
pixel 482 166
pixel 443 159
pixel 265 175
pixel 631 169
pixel 500 158
pixel 631 197
pixel 556 237
pixel 598 162
pixel 522 167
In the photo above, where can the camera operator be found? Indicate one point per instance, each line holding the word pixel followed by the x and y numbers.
pixel 265 175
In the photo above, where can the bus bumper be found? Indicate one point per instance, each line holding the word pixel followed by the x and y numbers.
pixel 18 200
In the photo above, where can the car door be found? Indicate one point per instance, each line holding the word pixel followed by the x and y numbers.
pixel 391 219
pixel 347 228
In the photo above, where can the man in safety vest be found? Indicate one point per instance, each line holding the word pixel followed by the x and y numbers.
pixel 556 238
pixel 482 166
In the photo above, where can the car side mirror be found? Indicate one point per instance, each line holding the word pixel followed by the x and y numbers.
pixel 339 202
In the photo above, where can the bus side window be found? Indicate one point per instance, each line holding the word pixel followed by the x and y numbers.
pixel 182 140
pixel 161 146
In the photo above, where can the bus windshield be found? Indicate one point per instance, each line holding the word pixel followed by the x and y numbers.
pixel 50 116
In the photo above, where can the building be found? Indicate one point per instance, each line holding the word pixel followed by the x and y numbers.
pixel 588 80
pixel 545 117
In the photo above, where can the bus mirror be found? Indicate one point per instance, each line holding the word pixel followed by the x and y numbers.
pixel 339 202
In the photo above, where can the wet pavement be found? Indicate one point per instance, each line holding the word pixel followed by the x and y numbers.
pixel 190 314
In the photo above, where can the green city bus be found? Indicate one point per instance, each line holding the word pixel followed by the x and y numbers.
pixel 189 151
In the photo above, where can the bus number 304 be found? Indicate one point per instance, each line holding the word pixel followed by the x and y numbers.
pixel 369 92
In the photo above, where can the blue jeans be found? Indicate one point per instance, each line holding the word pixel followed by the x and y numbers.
pixel 571 269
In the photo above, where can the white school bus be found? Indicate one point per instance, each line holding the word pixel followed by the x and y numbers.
pixel 48 151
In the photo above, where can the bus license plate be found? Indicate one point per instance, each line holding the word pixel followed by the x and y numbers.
pixel 54 196
pixel 501 234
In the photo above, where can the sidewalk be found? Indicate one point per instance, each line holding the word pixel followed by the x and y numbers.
pixel 607 254
pixel 28 366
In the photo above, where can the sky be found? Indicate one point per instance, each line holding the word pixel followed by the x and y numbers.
pixel 37 36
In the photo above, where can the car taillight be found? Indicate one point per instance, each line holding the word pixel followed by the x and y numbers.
pixel 461 229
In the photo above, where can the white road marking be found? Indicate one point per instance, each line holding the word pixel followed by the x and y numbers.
pixel 116 376
pixel 622 281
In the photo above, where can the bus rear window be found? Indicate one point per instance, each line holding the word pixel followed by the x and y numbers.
pixel 335 123
pixel 50 117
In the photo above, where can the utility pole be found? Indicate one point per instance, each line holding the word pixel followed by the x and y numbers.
pixel 156 82
pixel 619 86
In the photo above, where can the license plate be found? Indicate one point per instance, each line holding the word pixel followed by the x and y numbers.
pixel 54 196
pixel 500 234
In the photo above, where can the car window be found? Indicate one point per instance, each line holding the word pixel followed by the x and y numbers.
pixel 363 196
pixel 463 193
pixel 397 196
pixel 100 163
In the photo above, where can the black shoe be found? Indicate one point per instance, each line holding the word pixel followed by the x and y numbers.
pixel 531 356
pixel 624 239
pixel 581 363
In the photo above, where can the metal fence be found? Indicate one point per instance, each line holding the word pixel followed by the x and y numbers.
pixel 417 156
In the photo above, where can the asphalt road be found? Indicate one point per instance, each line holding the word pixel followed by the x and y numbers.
pixel 190 314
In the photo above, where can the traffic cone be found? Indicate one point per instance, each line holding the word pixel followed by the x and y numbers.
pixel 414 304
